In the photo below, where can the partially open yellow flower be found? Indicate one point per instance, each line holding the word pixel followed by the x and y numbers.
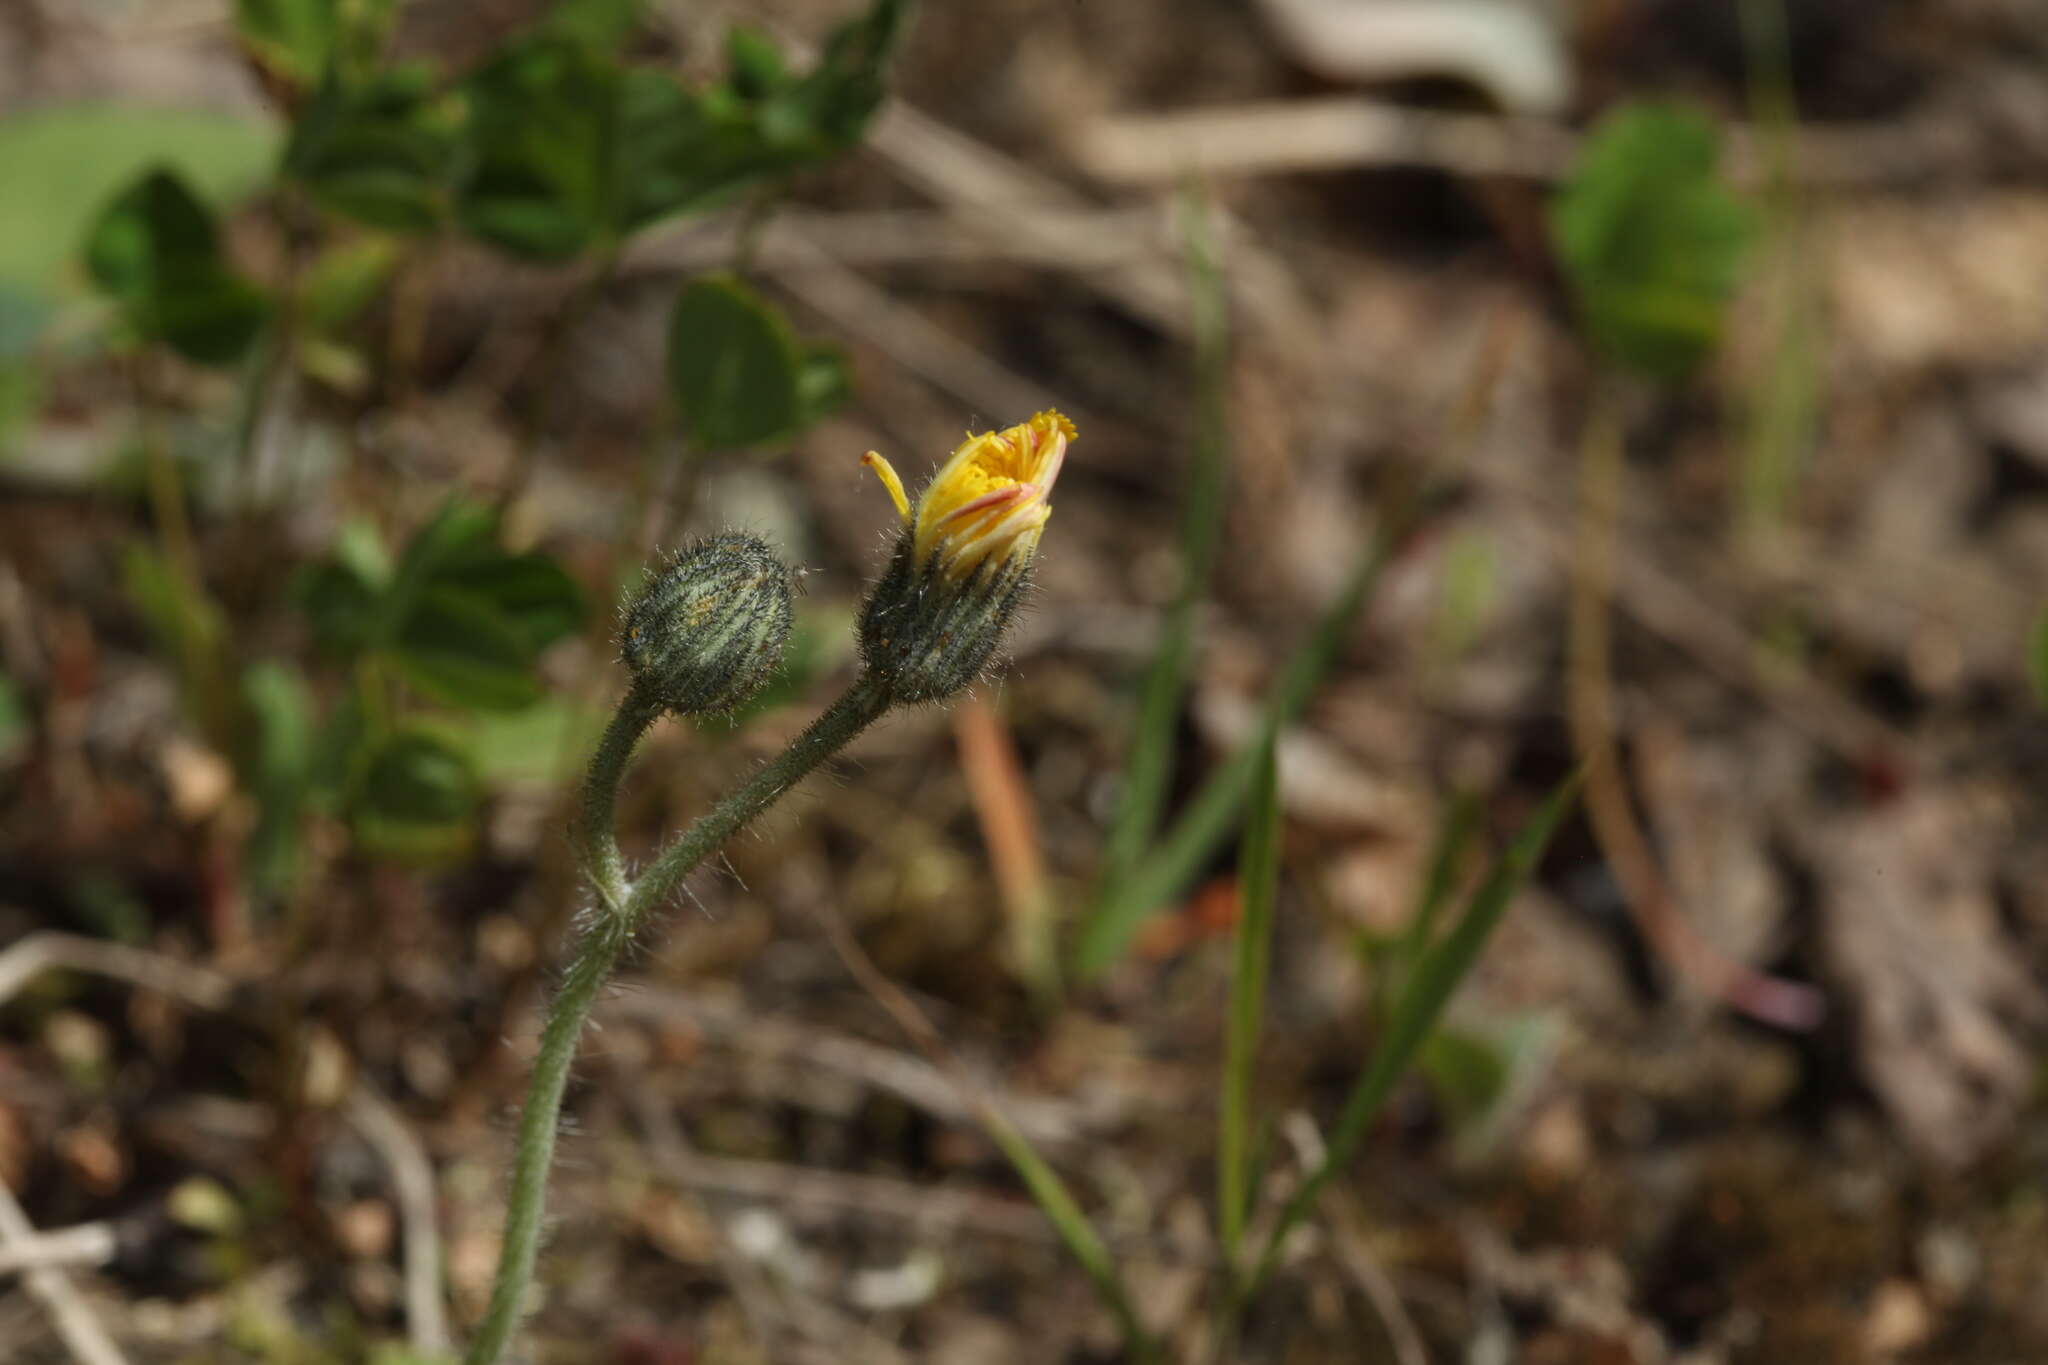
pixel 987 501
pixel 959 570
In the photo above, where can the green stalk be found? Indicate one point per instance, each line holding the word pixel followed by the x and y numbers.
pixel 624 912
pixel 1418 1007
pixel 1258 873
pixel 602 861
pixel 1149 772
pixel 1078 1234
pixel 1174 860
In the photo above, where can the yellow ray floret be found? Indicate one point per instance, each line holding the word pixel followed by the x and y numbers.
pixel 988 500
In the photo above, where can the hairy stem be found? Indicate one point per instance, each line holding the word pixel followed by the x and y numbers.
pixel 619 919
pixel 602 861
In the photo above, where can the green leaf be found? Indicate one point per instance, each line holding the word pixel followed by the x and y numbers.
pixel 1467 1072
pixel 460 531
pixel 13 722
pixel 537 745
pixel 458 648
pixel 1149 766
pixel 755 63
pixel 153 229
pixel 1421 1002
pixel 418 797
pixel 1461 824
pixel 344 280
pixel 568 150
pixel 1652 241
pixel 1479 1075
pixel 346 610
pixel 1252 943
pixel 185 624
pixel 542 140
pixel 1167 868
pixel 678 151
pixel 532 591
pixel 78 156
pixel 156 252
pixel 380 151
pixel 599 24
pixel 277 769
pixel 832 105
pixel 2037 658
pixel 295 39
pixel 463 618
pixel 733 366
pixel 824 382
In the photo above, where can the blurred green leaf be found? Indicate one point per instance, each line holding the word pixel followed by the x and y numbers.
pixel 568 150
pixel 156 252
pixel 457 647
pixel 542 138
pixel 186 625
pixel 295 39
pixel 379 151
pixel 1480 1074
pixel 463 619
pixel 754 63
pixel 361 547
pixel 1453 839
pixel 344 280
pixel 836 100
pixel 282 707
pixel 823 381
pixel 1652 241
pixel 532 591
pixel 679 151
pixel 418 797
pixel 1149 764
pixel 536 744
pixel 600 24
pixel 77 157
pixel 460 530
pixel 277 769
pixel 346 611
pixel 1252 952
pixel 1420 1003
pixel 20 395
pixel 733 366
pixel 1467 1072
pixel 1175 859
pixel 13 722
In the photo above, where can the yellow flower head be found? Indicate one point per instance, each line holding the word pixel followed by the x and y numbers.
pixel 988 501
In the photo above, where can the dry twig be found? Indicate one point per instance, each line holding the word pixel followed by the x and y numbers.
pixel 87 1244
pixel 84 1335
pixel 1047 1122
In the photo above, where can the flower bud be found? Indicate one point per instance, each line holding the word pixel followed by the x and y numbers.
pixel 707 631
pixel 960 568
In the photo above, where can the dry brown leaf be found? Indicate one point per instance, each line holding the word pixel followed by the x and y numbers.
pixel 1937 991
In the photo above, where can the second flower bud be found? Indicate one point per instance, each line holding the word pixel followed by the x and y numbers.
pixel 707 630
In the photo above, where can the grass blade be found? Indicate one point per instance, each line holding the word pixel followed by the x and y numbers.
pixel 1460 824
pixel 1175 860
pixel 1422 1000
pixel 1075 1231
pixel 1149 772
pixel 1259 869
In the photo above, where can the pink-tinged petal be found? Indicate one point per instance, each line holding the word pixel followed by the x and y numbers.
pixel 993 498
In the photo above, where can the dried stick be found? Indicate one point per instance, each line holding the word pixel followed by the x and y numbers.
pixel 84 1336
